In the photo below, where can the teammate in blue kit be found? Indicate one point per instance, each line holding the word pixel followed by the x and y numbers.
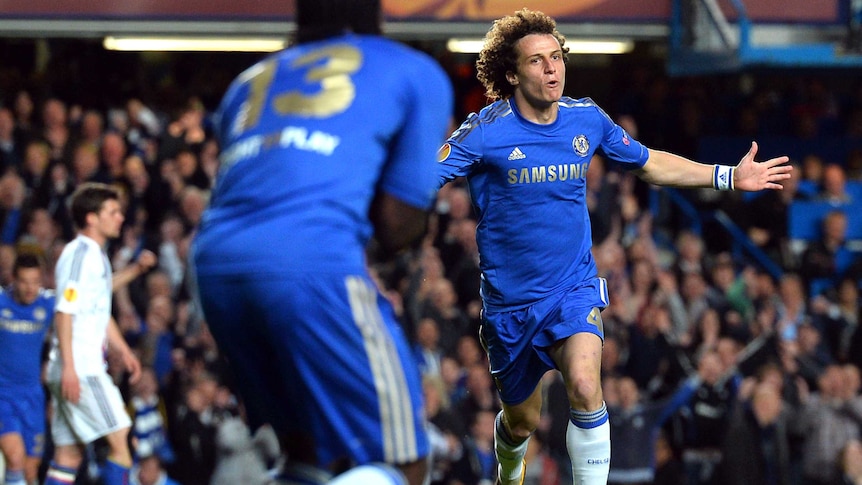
pixel 525 158
pixel 323 145
pixel 26 311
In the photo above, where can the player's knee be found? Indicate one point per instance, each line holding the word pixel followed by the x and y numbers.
pixel 68 456
pixel 119 437
pixel 585 393
pixel 526 422
pixel 119 445
pixel 14 459
pixel 521 433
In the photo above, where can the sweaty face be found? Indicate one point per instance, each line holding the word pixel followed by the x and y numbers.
pixel 541 71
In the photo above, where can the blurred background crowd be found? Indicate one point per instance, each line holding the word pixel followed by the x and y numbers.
pixel 732 351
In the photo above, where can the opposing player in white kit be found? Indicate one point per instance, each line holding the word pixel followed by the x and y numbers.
pixel 87 404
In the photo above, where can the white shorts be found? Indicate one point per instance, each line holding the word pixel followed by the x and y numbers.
pixel 99 412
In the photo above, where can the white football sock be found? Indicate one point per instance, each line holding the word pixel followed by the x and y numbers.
pixel 588 439
pixel 510 456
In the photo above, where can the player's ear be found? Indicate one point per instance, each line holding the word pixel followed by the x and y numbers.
pixel 92 218
pixel 512 78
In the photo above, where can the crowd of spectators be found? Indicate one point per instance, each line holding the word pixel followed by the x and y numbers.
pixel 716 369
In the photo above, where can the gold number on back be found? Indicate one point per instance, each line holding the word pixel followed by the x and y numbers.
pixel 335 90
pixel 258 87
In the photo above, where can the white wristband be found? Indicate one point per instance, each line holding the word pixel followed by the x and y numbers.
pixel 722 177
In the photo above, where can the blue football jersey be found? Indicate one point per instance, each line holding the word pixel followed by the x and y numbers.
pixel 528 186
pixel 22 332
pixel 308 135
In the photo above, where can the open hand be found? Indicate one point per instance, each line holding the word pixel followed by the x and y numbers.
pixel 751 176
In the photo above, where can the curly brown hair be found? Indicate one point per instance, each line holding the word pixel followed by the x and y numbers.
pixel 498 55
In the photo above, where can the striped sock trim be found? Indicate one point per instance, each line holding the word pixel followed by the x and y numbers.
pixel 589 419
pixel 15 477
pixel 60 475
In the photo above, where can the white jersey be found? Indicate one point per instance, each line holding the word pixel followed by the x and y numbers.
pixel 83 276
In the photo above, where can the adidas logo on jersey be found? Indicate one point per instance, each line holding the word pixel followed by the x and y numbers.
pixel 517 154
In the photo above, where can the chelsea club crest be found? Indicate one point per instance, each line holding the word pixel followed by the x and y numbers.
pixel 581 145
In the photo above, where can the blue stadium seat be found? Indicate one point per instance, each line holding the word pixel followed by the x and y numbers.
pixel 807 188
pixel 854 189
pixel 854 220
pixel 804 219
pixel 819 286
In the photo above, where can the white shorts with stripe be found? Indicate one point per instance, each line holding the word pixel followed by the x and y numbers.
pixel 99 412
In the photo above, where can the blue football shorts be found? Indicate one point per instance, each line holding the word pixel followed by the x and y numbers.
pixel 23 412
pixel 517 341
pixel 322 359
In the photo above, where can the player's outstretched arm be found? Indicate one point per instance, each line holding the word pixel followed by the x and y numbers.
pixel 668 169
